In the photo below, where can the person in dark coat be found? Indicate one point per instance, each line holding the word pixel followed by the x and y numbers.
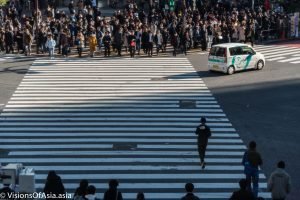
pixel 203 132
pixel 189 187
pixel 19 40
pixel 150 38
pixel 184 40
pixel 9 41
pixel 118 41
pixel 242 193
pixel 112 193
pixel 144 40
pixel 54 185
pixel 64 42
pixel 203 40
pixel 175 43
pixel 106 41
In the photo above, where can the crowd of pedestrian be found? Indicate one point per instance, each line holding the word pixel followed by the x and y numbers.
pixel 184 26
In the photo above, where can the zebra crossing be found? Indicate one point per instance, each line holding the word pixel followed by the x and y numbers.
pixel 128 119
pixel 279 53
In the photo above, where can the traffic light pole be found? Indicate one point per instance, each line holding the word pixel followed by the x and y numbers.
pixel 36 25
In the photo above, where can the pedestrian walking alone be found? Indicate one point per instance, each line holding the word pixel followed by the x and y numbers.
pixel 279 183
pixel 203 132
pixel 251 161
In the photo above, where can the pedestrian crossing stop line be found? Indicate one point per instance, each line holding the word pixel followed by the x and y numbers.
pixel 71 115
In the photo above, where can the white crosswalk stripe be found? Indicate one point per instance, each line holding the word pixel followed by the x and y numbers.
pixel 129 119
pixel 279 53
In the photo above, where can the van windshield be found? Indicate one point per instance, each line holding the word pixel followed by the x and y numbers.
pixel 218 51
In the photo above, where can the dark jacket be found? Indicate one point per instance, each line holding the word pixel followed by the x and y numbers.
pixel 118 39
pixel 54 186
pixel 106 40
pixel 9 38
pixel 110 194
pixel 203 133
pixel 190 196
pixel 253 158
pixel 242 195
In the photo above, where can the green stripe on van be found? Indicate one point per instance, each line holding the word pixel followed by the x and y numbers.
pixel 215 60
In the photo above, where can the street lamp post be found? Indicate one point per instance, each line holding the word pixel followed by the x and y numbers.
pixel 36 25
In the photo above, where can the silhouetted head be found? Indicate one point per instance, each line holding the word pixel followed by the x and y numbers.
pixel 83 183
pixel 140 196
pixel 113 183
pixel 243 183
pixel 281 164
pixel 91 189
pixel 252 145
pixel 189 187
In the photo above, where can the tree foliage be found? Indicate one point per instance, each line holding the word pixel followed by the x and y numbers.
pixel 3 2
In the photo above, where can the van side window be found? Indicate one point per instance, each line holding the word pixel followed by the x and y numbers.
pixel 213 51
pixel 234 51
pixel 247 50
pixel 221 52
pixel 218 51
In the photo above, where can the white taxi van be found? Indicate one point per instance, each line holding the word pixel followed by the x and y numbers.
pixel 231 57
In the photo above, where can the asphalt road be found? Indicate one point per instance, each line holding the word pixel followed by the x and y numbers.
pixel 262 105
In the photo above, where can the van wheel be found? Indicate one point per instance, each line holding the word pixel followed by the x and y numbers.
pixel 230 70
pixel 260 64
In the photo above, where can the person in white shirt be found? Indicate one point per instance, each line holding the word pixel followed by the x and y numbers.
pixel 158 41
pixel 279 183
pixel 50 44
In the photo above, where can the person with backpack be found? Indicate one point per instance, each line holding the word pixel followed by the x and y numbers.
pixel 112 193
pixel 203 132
pixel 189 187
pixel 251 162
pixel 279 183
